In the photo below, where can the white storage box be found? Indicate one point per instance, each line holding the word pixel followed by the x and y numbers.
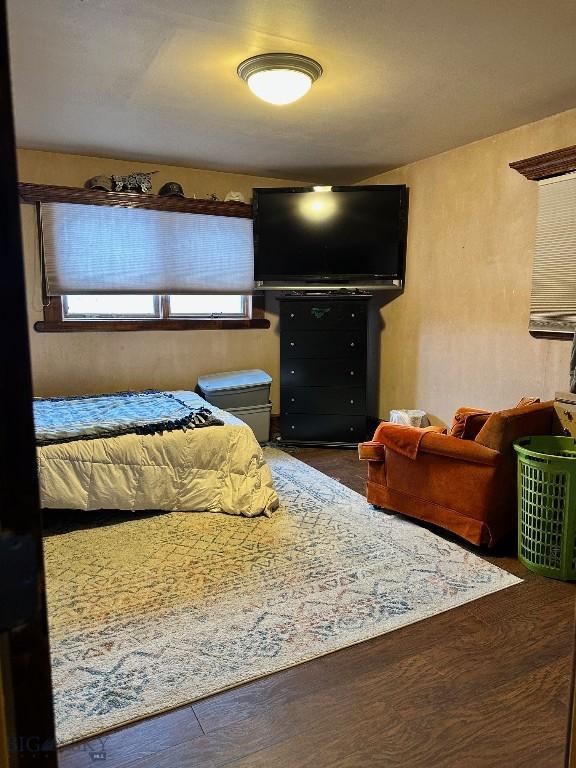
pixel 412 418
pixel 236 389
pixel 257 417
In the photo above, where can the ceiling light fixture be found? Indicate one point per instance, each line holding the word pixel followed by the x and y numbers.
pixel 279 78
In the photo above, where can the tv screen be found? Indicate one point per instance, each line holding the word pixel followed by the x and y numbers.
pixel 307 235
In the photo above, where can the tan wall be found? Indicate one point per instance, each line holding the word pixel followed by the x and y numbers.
pixel 96 362
pixel 459 334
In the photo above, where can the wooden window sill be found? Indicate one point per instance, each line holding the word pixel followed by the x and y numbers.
pixel 113 326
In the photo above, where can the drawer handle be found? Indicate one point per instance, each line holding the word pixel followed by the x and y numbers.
pixel 292 314
pixel 292 400
pixel 351 373
pixel 292 426
pixel 292 372
pixel 351 429
pixel 352 315
pixel 352 402
pixel 351 343
pixel 291 343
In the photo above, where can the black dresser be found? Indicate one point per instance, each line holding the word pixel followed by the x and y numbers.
pixel 326 377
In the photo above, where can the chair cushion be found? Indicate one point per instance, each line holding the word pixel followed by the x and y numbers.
pixel 503 427
pixel 400 438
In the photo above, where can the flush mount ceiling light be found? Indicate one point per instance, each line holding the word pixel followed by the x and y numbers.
pixel 279 78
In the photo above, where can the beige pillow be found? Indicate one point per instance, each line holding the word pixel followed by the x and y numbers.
pixel 468 422
pixel 526 401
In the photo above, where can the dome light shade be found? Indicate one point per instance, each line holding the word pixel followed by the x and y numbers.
pixel 279 78
pixel 279 86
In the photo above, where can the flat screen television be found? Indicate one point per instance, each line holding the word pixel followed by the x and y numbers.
pixel 330 236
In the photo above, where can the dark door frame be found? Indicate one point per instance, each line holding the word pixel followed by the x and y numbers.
pixel 24 650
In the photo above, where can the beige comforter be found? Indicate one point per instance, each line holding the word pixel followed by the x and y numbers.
pixel 214 469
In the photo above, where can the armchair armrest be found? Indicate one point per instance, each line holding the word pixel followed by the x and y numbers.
pixel 371 451
pixel 455 448
pixel 397 437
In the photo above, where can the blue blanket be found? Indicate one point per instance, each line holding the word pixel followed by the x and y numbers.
pixel 61 419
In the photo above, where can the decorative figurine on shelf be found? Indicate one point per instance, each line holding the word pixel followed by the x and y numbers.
pixel 99 182
pixel 134 182
pixel 171 189
pixel 212 196
pixel 235 197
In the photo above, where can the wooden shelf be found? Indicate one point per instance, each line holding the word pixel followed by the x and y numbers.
pixel 545 166
pixel 44 193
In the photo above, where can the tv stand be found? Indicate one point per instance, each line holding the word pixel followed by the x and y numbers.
pixel 328 368
pixel 319 291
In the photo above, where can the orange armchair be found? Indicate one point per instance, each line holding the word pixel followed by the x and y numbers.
pixel 466 485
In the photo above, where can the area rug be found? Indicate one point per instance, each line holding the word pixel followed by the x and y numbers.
pixel 157 611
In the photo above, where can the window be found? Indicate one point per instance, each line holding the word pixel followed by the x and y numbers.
pixel 132 312
pixel 553 304
pixel 118 269
pixel 208 306
pixel 109 307
pixel 129 307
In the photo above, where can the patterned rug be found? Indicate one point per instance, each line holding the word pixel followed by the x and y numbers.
pixel 153 612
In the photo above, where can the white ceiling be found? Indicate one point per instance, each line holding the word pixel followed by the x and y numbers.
pixel 155 80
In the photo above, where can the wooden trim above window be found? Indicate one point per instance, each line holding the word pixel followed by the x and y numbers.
pixel 45 193
pixel 558 335
pixel 555 163
pixel 54 321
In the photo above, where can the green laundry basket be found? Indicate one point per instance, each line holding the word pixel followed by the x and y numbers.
pixel 547 505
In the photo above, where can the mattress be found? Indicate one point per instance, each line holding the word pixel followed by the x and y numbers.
pixel 212 469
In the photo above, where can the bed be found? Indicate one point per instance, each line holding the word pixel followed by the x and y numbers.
pixel 214 469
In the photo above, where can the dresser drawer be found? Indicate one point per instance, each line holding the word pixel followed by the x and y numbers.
pixel 342 343
pixel 330 429
pixel 324 400
pixel 322 373
pixel 322 314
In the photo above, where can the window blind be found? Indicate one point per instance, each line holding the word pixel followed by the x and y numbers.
pixel 553 305
pixel 100 249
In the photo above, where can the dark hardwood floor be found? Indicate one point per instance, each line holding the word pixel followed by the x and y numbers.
pixel 484 685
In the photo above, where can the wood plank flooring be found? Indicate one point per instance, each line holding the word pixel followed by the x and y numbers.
pixel 482 686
